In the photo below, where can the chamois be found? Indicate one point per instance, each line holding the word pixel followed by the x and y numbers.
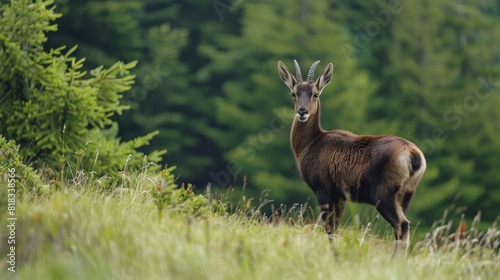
pixel 338 165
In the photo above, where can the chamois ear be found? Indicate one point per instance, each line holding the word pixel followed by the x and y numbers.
pixel 324 78
pixel 286 76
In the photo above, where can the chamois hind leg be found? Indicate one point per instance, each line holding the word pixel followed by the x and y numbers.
pixel 391 209
pixel 406 200
pixel 409 188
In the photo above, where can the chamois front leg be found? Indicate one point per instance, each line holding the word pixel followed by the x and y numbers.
pixel 327 217
pixel 339 212
pixel 331 215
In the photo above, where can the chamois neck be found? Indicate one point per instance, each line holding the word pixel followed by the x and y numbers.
pixel 303 133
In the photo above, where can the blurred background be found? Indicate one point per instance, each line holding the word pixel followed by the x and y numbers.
pixel 207 79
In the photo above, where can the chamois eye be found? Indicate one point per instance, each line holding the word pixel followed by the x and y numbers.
pixel 293 95
pixel 316 95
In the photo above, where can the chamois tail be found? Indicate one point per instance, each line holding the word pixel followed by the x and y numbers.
pixel 417 162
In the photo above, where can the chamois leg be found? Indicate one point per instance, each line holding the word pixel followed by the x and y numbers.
pixel 408 190
pixel 327 214
pixel 392 211
pixel 405 201
pixel 332 214
pixel 339 213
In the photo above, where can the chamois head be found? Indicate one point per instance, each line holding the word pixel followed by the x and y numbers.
pixel 305 94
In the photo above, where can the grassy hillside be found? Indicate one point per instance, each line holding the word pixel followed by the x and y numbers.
pixel 83 231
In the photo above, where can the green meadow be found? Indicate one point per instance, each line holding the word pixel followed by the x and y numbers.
pixel 148 229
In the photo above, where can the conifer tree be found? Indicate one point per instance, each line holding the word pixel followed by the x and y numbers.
pixel 59 114
pixel 162 97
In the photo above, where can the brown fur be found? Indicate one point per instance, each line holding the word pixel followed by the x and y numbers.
pixel 383 171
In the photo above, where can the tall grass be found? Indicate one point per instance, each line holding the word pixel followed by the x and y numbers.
pixel 84 230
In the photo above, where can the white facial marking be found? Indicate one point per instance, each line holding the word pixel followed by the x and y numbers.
pixel 302 118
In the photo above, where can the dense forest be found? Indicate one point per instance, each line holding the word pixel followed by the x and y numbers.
pixel 198 79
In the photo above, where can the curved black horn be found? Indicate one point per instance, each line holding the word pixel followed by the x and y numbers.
pixel 310 76
pixel 297 71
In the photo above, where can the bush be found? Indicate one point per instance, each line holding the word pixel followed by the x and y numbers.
pixel 167 195
pixel 12 167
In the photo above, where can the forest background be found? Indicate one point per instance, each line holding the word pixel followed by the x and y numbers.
pixel 207 81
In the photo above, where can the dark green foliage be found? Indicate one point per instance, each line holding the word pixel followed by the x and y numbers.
pixel 60 115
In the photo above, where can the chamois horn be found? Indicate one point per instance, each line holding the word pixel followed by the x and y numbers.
pixel 297 71
pixel 310 76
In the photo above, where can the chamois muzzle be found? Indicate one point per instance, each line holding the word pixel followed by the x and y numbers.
pixel 302 114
